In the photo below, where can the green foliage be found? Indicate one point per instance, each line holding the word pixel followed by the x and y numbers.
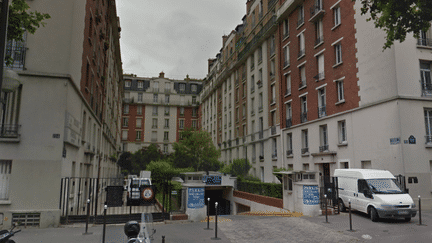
pixel 398 17
pixel 239 168
pixel 260 188
pixel 124 162
pixel 279 176
pixel 162 171
pixel 21 20
pixel 196 150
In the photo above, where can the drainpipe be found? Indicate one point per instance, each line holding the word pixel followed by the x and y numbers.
pixel 3 34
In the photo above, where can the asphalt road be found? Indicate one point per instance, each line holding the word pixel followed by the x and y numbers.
pixel 253 229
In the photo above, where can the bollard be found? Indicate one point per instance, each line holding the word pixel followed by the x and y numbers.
pixel 420 219
pixel 208 214
pixel 163 238
pixel 88 218
pixel 326 212
pixel 104 224
pixel 216 238
pixel 350 215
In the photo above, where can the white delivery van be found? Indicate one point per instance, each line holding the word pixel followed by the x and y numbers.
pixel 375 192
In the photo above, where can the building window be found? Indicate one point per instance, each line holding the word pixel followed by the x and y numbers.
pixel 300 18
pixel 303 114
pixel 181 124
pixel 338 53
pixel 140 97
pixel 182 87
pixel 166 136
pixel 260 54
pixel 126 109
pixel 340 89
pixel 167 99
pixel 286 53
pixel 323 138
pixel 138 135
pixel 367 164
pixel 274 148
pixel 139 110
pixel 194 112
pixel 244 111
pixel 166 123
pixel 155 98
pixel 194 88
pixel 167 111
pixel 425 75
pixel 288 84
pixel 273 95
pixel 285 28
pixel 305 145
pixel 127 83
pixel 155 123
pixel 425 38
pixel 260 102
pixel 342 132
pixel 5 172
pixel 320 63
pixel 428 123
pixel 125 122
pixel 336 15
pixel 321 103
pixel 319 33
pixel 165 148
pixel 155 110
pixel 289 151
pixel 194 124
pixel 252 83
pixel 302 71
pixel 288 115
pixel 140 85
pixel 124 134
pixel 154 136
pixel 182 100
pixel 252 62
pixel 138 122
pixel 301 45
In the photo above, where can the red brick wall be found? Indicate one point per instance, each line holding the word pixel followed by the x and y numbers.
pixel 270 201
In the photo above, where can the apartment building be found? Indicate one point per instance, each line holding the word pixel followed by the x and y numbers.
pixel 62 116
pixel 331 97
pixel 239 99
pixel 156 110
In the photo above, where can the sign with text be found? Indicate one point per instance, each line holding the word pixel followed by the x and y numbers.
pixel 196 197
pixel 212 180
pixel 310 195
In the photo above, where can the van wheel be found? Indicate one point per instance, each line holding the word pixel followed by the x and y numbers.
pixel 341 205
pixel 407 219
pixel 373 214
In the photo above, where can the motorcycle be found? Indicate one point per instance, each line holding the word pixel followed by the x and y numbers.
pixel 6 235
pixel 132 230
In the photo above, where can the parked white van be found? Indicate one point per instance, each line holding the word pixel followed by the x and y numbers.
pixel 375 192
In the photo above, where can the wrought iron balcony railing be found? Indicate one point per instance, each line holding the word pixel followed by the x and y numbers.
pixel 428 139
pixel 304 150
pixel 323 148
pixel 426 88
pixel 316 8
pixel 17 51
pixel 288 122
pixel 9 130
pixel 303 116
pixel 289 152
pixel 322 111
pixel 424 42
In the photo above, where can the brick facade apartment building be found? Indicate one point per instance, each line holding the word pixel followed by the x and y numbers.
pixel 306 85
pixel 63 119
pixel 155 110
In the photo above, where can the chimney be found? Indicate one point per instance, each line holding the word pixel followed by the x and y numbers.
pixel 248 6
pixel 210 63
pixel 161 75
pixel 224 39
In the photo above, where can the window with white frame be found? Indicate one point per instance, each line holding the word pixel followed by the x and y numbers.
pixel 323 138
pixel 140 84
pixel 336 16
pixel 166 123
pixel 167 98
pixel 154 123
pixel 425 75
pixel 127 83
pixel 338 53
pixel 288 84
pixel 139 110
pixel 125 121
pixel 428 124
pixel 288 114
pixel 182 87
pixel 126 109
pixel 5 173
pixel 273 94
pixel 320 62
pixel 193 87
pixel 322 102
pixel 274 148
pixel 340 90
pixel 155 110
pixel 289 144
pixel 319 32
pixel 342 132
pixel 305 142
pixel 140 97
pixel 124 134
pixel 302 71
pixel 181 124
pixel 285 28
pixel 154 136
pixel 301 45
pixel 286 53
pixel 303 108
pixel 260 102
pixel 155 98
pixel 138 135
pixel 166 136
pixel 138 122
pixel 300 15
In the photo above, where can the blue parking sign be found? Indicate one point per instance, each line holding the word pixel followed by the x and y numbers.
pixel 310 195
pixel 196 197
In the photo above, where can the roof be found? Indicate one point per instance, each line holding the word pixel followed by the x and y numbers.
pixel 290 172
pixel 363 173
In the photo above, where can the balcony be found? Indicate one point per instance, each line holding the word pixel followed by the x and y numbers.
pixel 319 76
pixel 154 113
pixel 154 126
pixel 289 152
pixel 273 130
pixel 428 139
pixel 301 53
pixel 9 131
pixel 303 117
pixel 322 111
pixel 323 148
pixel 424 42
pixel 288 122
pixel 316 10
pixel 305 150
pixel 287 91
pixel 426 88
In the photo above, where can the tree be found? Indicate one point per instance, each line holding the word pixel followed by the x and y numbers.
pixel 196 150
pixel 125 162
pixel 398 17
pixel 141 158
pixel 239 168
pixel 21 20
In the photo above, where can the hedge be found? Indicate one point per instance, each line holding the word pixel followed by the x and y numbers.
pixel 260 188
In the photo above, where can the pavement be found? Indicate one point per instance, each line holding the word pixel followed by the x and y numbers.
pixel 249 229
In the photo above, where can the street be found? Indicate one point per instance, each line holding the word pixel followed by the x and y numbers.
pixel 237 228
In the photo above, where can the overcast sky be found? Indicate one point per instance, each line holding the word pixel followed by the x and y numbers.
pixel 174 36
